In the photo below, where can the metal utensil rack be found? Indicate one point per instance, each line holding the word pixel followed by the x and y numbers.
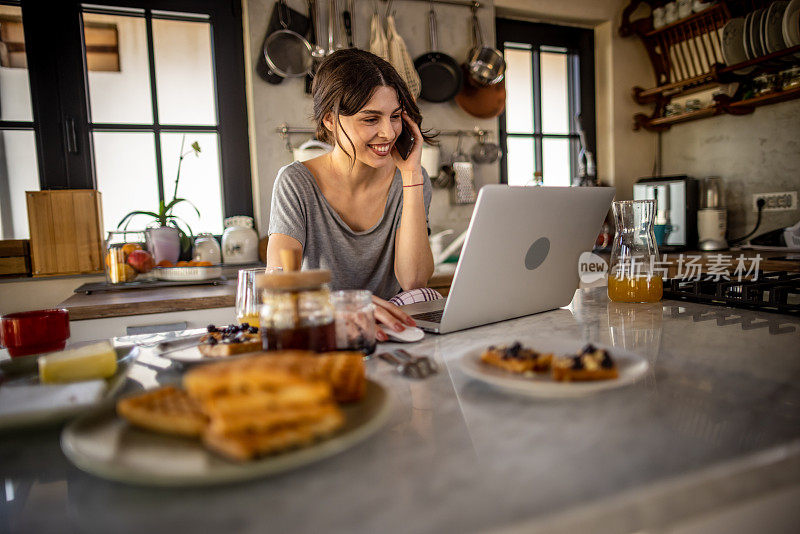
pixel 460 3
pixel 284 130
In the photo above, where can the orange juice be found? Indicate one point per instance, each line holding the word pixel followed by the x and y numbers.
pixel 635 289
pixel 252 320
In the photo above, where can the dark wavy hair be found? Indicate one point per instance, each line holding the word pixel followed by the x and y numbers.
pixel 344 83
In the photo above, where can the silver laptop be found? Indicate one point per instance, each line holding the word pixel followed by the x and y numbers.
pixel 520 255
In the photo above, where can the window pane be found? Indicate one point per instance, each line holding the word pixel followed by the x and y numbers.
pixel 555 93
pixel 119 72
pixel 184 72
pixel 199 181
pixel 126 176
pixel 555 161
pixel 19 172
pixel 520 160
pixel 15 92
pixel 519 91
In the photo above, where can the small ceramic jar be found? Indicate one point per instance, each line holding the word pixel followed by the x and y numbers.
pixel 671 12
pixel 684 8
pixel 206 248
pixel 692 104
pixel 658 17
pixel 240 241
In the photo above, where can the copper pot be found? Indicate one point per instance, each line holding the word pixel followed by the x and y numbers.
pixel 481 102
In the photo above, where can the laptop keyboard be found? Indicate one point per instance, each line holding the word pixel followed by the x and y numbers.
pixel 433 317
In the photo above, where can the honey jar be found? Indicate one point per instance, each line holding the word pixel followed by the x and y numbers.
pixel 296 310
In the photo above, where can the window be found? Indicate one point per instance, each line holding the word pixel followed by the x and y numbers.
pixel 117 92
pixel 549 81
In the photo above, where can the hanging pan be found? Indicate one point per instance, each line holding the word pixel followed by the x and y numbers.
pixel 288 54
pixel 439 73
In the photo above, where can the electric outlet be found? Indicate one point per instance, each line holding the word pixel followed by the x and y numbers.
pixel 786 201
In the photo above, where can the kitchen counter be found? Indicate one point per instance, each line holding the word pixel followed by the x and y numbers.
pixel 712 427
pixel 171 299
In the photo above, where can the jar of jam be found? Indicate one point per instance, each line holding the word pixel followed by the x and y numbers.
pixel 296 311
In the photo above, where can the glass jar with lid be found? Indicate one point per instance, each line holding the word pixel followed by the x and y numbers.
pixel 127 258
pixel 296 310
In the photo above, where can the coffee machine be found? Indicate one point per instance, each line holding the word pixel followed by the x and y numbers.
pixel 676 197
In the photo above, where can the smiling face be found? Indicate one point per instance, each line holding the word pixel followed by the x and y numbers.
pixel 372 130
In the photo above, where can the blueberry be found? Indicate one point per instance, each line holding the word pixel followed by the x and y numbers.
pixel 212 341
pixel 606 363
pixel 244 326
pixel 577 363
pixel 253 330
pixel 211 328
pixel 588 348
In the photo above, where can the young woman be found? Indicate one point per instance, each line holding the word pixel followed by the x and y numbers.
pixel 361 210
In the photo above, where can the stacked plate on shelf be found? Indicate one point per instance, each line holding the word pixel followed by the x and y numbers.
pixel 763 31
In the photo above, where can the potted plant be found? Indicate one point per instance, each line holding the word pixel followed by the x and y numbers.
pixel 170 235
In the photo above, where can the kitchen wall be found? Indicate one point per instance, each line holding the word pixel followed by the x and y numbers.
pixel 623 155
pixel 756 153
pixel 273 105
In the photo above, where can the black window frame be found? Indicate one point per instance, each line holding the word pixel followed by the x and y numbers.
pixel 60 99
pixel 579 46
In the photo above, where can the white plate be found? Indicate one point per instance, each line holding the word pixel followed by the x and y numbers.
pixel 763 31
pixel 192 355
pixel 631 367
pixel 179 274
pixel 755 33
pixel 732 43
pixel 774 21
pixel 106 446
pixel 24 371
pixel 791 24
pixel 746 36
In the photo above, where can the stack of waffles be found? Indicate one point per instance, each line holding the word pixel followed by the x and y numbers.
pixel 257 405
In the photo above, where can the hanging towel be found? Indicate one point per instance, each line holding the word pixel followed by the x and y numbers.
pixel 400 60
pixel 378 44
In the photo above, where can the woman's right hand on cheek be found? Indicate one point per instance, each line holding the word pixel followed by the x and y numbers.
pixel 389 316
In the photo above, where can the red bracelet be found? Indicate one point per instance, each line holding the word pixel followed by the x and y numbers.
pixel 414 185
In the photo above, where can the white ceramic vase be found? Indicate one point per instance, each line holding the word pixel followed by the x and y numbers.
pixel 164 243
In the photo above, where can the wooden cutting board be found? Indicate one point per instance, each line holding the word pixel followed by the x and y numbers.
pixel 66 228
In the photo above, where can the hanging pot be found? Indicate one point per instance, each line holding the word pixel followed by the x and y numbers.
pixel 438 72
pixel 486 64
pixel 482 102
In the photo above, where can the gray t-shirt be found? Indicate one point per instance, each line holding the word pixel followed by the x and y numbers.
pixel 357 260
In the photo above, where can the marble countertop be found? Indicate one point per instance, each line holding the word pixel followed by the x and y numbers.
pixel 714 422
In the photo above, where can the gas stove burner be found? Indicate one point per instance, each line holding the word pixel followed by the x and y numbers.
pixel 777 292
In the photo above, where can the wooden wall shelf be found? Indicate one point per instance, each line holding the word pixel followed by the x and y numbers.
pixel 687 58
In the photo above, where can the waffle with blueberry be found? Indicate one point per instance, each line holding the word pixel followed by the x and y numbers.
pixel 228 340
pixel 590 363
pixel 517 359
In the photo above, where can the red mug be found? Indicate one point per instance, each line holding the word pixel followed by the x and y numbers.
pixel 34 332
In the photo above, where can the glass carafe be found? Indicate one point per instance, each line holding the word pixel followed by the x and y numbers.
pixel 633 274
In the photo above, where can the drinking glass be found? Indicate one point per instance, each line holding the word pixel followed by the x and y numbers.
pixel 355 320
pixel 633 275
pixel 248 299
